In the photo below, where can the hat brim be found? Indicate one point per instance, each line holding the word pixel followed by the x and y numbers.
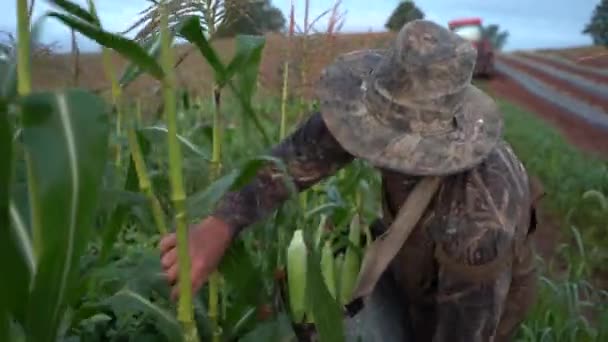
pixel 340 93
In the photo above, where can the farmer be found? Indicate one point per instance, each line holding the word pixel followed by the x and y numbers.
pixel 467 267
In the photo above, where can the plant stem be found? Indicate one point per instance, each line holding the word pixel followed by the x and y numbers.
pixel 185 308
pixel 116 98
pixel 23 49
pixel 145 185
pixel 216 167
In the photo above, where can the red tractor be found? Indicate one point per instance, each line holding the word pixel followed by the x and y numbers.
pixel 472 30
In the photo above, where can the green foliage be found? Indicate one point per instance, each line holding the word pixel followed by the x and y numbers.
pixel 597 27
pixel 115 290
pixel 495 36
pixel 405 12
pixel 251 18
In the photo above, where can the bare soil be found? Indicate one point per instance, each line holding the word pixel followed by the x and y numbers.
pixel 602 79
pixel 593 56
pixel 575 130
pixel 562 86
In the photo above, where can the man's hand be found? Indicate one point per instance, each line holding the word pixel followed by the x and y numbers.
pixel 207 243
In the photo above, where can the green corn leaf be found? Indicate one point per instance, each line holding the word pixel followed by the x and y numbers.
pixel 14 239
pixel 159 133
pixel 126 47
pixel 127 301
pixel 192 31
pixel 66 135
pixel 244 280
pixel 119 215
pixel 246 63
pixel 8 78
pixel 249 50
pixel 325 309
pixel 133 70
pixel 76 10
pixel 278 329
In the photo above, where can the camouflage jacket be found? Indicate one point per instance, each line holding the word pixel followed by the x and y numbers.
pixel 466 269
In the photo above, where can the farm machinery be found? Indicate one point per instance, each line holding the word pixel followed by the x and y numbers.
pixel 471 29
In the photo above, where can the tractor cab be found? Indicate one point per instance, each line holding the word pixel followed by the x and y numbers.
pixel 471 29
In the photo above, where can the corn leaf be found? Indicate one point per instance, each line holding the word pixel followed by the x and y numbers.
pixel 133 70
pixel 246 60
pixel 126 47
pixel 8 78
pixel 127 301
pixel 66 135
pixel 245 282
pixel 192 31
pixel 13 245
pixel 159 133
pixel 76 10
pixel 278 329
pixel 245 63
pixel 329 319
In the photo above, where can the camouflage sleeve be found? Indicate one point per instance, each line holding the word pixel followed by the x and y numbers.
pixel 310 154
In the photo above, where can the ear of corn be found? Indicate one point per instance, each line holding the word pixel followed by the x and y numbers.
pixel 350 268
pixel 296 276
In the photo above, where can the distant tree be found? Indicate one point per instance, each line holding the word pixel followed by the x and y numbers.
pixel 497 38
pixel 253 17
pixel 405 12
pixel 597 27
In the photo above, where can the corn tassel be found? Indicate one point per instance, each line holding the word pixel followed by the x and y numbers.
pixel 352 261
pixel 296 276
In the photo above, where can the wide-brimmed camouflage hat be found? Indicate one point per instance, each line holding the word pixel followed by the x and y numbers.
pixel 412 107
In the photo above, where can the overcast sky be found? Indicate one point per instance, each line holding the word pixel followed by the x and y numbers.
pixel 531 23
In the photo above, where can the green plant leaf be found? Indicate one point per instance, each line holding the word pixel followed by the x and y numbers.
pixel 246 63
pixel 133 70
pixel 127 301
pixel 245 282
pixel 278 329
pixel 76 10
pixel 8 78
pixel 115 224
pixel 155 133
pixel 126 47
pixel 192 31
pixel 328 316
pixel 66 136
pixel 14 240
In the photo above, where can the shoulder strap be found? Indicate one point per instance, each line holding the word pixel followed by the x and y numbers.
pixel 380 252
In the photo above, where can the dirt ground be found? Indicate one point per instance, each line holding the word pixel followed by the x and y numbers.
pixel 578 132
pixel 559 84
pixel 584 73
pixel 593 56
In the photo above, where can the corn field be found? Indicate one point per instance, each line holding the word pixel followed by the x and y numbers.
pixel 91 182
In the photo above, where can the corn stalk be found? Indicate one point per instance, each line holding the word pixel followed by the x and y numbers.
pixel 216 169
pixel 292 23
pixel 178 196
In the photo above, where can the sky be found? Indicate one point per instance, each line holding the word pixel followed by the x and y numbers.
pixel 532 24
